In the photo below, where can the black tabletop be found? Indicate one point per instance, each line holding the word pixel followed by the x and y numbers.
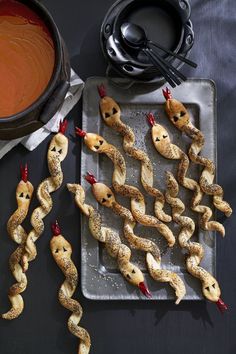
pixel 123 327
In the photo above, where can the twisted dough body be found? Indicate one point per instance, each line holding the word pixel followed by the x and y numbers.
pixel 179 116
pixel 57 152
pixel 162 143
pixel 17 233
pixel 104 196
pixel 61 251
pixel 210 286
pixel 98 144
pixel 111 114
pixel 109 238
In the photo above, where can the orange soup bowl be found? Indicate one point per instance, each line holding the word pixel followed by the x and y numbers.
pixel 34 68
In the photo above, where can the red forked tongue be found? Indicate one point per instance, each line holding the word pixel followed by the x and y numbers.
pixel 102 91
pixel 221 305
pixel 90 178
pixel 24 173
pixel 144 289
pixel 167 93
pixel 56 228
pixel 63 126
pixel 80 132
pixel 151 119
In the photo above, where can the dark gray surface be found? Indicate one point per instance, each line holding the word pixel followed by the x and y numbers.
pixel 126 327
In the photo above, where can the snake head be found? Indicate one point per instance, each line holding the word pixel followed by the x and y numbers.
pixel 25 189
pixel 211 289
pixel 160 138
pixel 95 142
pixel 109 109
pixel 58 147
pixel 135 277
pixel 101 192
pixel 61 249
pixel 176 111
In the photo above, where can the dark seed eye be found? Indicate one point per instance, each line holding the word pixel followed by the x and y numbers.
pixel 21 195
pixel 114 110
pixel 101 142
pixel 57 250
pixel 176 118
pixel 27 196
pixel 96 147
pixel 53 149
pixel 128 276
pixel 214 286
pixel 133 271
pixel 157 139
pixel 182 113
pixel 108 195
pixel 164 136
pixel 107 115
pixel 60 151
pixel 103 200
pixel 64 249
pixel 207 288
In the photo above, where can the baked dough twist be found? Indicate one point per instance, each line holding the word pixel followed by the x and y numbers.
pixel 98 144
pixel 57 152
pixel 24 192
pixel 111 114
pixel 110 239
pixel 105 197
pixel 210 286
pixel 179 116
pixel 163 145
pixel 62 251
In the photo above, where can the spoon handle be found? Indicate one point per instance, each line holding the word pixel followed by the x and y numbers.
pixel 167 64
pixel 176 55
pixel 163 70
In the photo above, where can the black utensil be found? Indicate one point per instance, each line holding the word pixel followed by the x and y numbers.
pixel 135 37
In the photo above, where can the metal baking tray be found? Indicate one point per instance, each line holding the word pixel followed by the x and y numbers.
pixel 100 277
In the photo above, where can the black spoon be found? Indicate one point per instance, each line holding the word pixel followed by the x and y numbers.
pixel 135 34
pixel 135 37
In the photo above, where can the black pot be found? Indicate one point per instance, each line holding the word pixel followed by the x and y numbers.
pixel 39 113
pixel 165 21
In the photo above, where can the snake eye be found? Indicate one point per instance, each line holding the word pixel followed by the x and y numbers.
pixel 108 195
pixel 60 151
pixel 21 195
pixel 114 110
pixel 214 286
pixel 64 249
pixel 27 196
pixel 57 250
pixel 157 139
pixel 128 276
pixel 182 113
pixel 164 136
pixel 133 271
pixel 207 288
pixel 54 148
pixel 103 200
pixel 101 142
pixel 175 118
pixel 96 147
pixel 107 115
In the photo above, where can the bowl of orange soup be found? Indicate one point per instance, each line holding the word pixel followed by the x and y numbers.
pixel 34 67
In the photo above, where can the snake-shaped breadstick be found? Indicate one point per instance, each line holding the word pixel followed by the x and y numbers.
pixel 111 114
pixel 57 152
pixel 17 233
pixel 111 240
pixel 210 286
pixel 163 145
pixel 179 116
pixel 62 251
pixel 105 197
pixel 98 144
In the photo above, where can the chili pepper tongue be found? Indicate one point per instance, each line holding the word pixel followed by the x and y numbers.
pixel 24 173
pixel 63 126
pixel 90 178
pixel 151 119
pixel 102 91
pixel 56 228
pixel 167 93
pixel 144 289
pixel 221 305
pixel 80 132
